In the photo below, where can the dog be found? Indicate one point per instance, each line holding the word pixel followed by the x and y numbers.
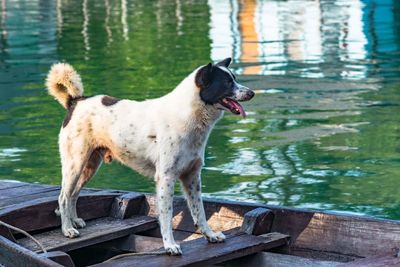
pixel 162 138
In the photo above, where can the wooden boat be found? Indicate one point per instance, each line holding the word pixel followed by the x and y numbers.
pixel 257 235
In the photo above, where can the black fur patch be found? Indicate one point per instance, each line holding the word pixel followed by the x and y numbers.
pixel 109 100
pixel 71 104
pixel 225 63
pixel 214 83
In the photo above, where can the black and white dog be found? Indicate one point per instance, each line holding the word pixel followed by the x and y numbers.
pixel 164 138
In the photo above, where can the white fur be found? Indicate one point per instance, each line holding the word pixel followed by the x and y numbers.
pixel 62 74
pixel 163 138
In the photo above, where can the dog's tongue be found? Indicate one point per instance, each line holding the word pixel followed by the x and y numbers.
pixel 237 107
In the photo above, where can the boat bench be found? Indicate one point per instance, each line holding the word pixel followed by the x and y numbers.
pixel 113 219
pixel 199 252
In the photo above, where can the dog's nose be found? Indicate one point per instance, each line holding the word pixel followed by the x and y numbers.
pixel 250 94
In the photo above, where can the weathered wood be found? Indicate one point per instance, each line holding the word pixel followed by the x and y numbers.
pixel 318 254
pixel 219 216
pixel 199 252
pixel 26 190
pixel 391 259
pixel 5 203
pixel 139 243
pixel 11 184
pixel 349 235
pixel 53 191
pixel 355 236
pixel 127 205
pixel 269 259
pixel 39 214
pixel 4 231
pixel 60 257
pixel 13 255
pixel 95 232
pixel 257 221
pixel 312 232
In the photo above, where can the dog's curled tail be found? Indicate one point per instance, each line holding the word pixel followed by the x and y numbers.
pixel 64 83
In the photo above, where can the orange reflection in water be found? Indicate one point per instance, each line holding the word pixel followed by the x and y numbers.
pixel 250 42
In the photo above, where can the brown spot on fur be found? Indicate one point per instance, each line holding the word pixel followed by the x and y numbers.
pixel 71 104
pixel 109 100
pixel 151 136
pixel 105 153
pixel 90 168
pixel 193 167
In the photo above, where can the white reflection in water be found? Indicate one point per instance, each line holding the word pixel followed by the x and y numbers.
pixel 107 22
pixel 179 17
pixel 85 25
pixel 272 34
pixel 238 139
pixel 321 173
pixel 279 164
pixel 246 162
pixel 59 17
pixel 11 154
pixel 124 20
pixel 224 38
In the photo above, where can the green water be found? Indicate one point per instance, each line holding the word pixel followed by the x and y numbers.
pixel 323 131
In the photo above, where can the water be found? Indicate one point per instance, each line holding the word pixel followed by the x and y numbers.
pixel 323 131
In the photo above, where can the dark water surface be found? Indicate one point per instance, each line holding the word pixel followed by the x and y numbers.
pixel 323 131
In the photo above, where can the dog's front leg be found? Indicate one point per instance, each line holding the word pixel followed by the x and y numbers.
pixel 191 186
pixel 165 194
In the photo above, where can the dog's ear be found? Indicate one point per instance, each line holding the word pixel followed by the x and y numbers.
pixel 225 62
pixel 204 76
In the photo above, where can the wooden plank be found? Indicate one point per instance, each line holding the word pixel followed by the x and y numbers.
pixel 5 203
pixel 127 205
pixel 89 206
pixel 348 235
pixel 13 255
pixel 144 242
pixel 219 216
pixel 257 221
pixel 11 184
pixel 391 259
pixel 269 259
pixel 25 190
pixel 199 252
pixel 341 234
pixel 139 243
pixel 60 257
pixel 95 232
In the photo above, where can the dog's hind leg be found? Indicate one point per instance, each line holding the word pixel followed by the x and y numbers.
pixel 90 169
pixel 74 156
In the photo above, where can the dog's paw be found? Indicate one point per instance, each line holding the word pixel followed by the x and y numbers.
pixel 78 222
pixel 173 249
pixel 70 232
pixel 215 237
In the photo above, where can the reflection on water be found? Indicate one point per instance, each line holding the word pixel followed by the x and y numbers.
pixel 323 131
pixel 285 37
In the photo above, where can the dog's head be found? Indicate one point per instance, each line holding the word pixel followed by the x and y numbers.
pixel 218 87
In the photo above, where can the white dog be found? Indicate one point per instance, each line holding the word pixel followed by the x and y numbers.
pixel 164 138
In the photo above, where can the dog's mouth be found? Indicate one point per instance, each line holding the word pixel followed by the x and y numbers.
pixel 233 106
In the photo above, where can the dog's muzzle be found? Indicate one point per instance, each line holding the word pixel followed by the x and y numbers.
pixel 240 93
